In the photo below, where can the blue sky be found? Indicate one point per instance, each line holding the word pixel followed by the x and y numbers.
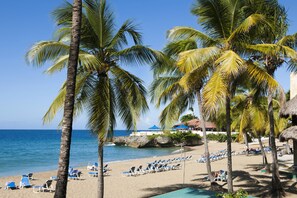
pixel 26 92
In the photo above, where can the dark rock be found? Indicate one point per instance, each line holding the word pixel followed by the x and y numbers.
pixel 146 142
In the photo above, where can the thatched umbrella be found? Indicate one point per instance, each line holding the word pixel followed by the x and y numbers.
pixel 290 108
pixel 287 134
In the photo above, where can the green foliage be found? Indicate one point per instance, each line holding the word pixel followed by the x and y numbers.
pixel 178 136
pixel 238 194
pixel 221 137
pixel 187 117
pixel 183 136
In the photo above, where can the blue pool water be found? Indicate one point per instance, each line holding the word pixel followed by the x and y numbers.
pixel 23 151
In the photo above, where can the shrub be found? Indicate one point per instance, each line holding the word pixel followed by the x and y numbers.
pixel 183 136
pixel 238 194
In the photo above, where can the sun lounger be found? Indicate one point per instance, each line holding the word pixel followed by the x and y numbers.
pixel 25 183
pixel 131 172
pixel 176 167
pixel 10 185
pixel 30 175
pixel 93 174
pixel 47 186
pixel 74 174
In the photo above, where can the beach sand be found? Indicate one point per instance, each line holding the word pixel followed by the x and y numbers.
pixel 117 185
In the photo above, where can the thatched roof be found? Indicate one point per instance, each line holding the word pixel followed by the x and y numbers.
pixel 195 123
pixel 290 108
pixel 289 133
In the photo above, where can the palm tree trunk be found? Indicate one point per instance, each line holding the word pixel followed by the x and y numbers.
pixel 61 186
pixel 100 169
pixel 206 151
pixel 246 141
pixel 229 141
pixel 277 189
pixel 262 151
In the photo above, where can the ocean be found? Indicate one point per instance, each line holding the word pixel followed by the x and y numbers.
pixel 24 151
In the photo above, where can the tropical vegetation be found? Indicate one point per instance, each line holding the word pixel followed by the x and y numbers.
pixel 228 68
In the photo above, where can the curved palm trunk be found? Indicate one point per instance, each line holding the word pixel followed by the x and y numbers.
pixel 229 149
pixel 100 170
pixel 277 189
pixel 61 186
pixel 263 152
pixel 206 151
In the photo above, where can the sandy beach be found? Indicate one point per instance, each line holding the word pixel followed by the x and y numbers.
pixel 246 175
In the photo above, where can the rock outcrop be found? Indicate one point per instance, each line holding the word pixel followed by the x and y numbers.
pixel 146 142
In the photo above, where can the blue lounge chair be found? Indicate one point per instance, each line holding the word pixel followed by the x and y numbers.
pixel 25 183
pixel 74 174
pixel 10 185
pixel 47 186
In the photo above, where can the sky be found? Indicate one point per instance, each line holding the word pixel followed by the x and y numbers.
pixel 26 92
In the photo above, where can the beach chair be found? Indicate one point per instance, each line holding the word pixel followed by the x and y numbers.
pixel 74 174
pixel 139 170
pixel 131 172
pixel 93 174
pixel 176 167
pixel 10 185
pixel 30 175
pixel 47 186
pixel 25 183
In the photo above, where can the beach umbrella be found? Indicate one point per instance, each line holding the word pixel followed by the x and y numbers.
pixel 181 127
pixel 154 128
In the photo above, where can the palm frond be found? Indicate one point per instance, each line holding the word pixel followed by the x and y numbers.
pixel 182 33
pixel 260 76
pixel 192 59
pixel 214 92
pixel 45 51
pixel 120 38
pixel 230 63
pixel 137 54
pixel 175 108
pixel 247 24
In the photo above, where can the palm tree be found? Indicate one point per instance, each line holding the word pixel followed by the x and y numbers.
pixel 166 87
pixel 226 24
pixel 103 88
pixel 272 49
pixel 61 186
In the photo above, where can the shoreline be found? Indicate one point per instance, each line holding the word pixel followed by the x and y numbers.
pixel 86 163
pixel 118 185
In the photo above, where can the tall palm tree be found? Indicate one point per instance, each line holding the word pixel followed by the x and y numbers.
pixel 69 100
pixel 226 24
pixel 166 87
pixel 103 88
pixel 273 48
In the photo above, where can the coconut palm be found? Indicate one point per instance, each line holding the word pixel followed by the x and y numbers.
pixel 103 88
pixel 227 24
pixel 61 185
pixel 273 48
pixel 166 88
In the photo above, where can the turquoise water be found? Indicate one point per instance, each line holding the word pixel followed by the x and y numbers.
pixel 23 151
pixel 188 193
